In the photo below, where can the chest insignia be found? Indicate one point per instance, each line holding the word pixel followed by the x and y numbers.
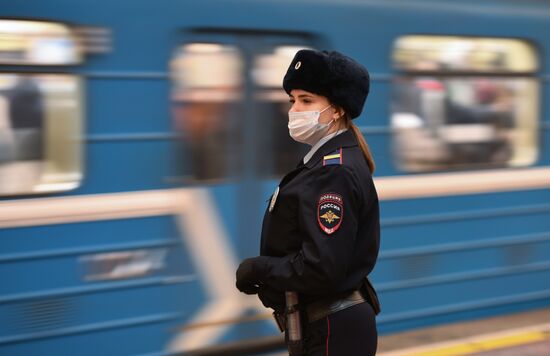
pixel 330 217
pixel 330 212
pixel 273 199
pixel 333 158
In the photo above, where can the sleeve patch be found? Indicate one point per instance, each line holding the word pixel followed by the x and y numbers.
pixel 330 212
pixel 333 158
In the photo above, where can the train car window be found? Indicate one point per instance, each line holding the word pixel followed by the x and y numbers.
pixel 40 123
pixel 227 100
pixel 207 87
pixel 40 114
pixel 462 103
pixel 38 43
pixel 273 104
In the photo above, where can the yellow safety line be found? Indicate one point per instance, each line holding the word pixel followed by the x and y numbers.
pixel 485 345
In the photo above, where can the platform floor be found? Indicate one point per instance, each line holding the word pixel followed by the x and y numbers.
pixel 521 334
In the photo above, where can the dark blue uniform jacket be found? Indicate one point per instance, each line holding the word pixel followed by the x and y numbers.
pixel 323 233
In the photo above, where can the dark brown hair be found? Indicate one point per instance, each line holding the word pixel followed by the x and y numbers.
pixel 347 123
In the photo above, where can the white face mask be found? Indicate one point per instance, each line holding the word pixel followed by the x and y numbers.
pixel 304 126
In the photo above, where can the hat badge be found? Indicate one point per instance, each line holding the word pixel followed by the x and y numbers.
pixel 298 65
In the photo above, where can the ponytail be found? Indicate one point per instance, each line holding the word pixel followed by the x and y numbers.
pixel 364 147
pixel 347 123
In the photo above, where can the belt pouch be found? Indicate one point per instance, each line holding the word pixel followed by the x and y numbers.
pixel 369 292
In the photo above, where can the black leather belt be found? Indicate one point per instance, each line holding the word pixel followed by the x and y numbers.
pixel 318 310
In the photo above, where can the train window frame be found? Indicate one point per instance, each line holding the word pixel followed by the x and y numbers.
pixel 456 105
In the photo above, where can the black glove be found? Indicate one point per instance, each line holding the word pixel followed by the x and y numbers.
pixel 272 298
pixel 250 274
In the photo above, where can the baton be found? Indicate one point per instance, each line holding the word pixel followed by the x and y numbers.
pixel 293 325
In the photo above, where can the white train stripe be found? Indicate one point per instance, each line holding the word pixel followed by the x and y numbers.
pixel 61 210
pixel 445 184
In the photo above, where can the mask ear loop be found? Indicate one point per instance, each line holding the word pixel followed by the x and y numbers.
pixel 322 111
pixel 325 109
pixel 332 121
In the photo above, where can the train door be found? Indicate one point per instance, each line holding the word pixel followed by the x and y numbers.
pixel 231 112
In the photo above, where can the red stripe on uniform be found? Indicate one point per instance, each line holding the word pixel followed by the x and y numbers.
pixel 340 155
pixel 328 333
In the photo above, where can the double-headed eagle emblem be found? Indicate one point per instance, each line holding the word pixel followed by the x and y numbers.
pixel 329 216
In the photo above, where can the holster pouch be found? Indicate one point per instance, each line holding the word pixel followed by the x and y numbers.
pixel 293 331
pixel 369 292
pixel 280 320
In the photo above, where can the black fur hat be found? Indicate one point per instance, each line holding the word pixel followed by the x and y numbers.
pixel 331 74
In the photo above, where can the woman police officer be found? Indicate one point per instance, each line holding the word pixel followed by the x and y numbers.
pixel 320 233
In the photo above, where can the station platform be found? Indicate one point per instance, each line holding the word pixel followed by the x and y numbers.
pixel 521 334
pixel 518 334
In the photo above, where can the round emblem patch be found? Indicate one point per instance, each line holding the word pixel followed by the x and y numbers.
pixel 330 212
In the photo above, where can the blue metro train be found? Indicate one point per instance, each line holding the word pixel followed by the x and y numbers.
pixel 140 140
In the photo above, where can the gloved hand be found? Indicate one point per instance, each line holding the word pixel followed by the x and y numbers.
pixel 250 274
pixel 272 298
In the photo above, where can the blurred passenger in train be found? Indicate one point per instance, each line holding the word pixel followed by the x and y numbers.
pixel 209 129
pixel 445 123
pixel 320 234
pixel 26 111
pixel 208 110
pixel 22 133
pixel 7 141
pixel 418 107
pixel 489 117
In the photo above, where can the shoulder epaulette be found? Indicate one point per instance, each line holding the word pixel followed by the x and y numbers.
pixel 333 158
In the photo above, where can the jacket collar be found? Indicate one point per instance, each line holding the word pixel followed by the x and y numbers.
pixel 345 139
